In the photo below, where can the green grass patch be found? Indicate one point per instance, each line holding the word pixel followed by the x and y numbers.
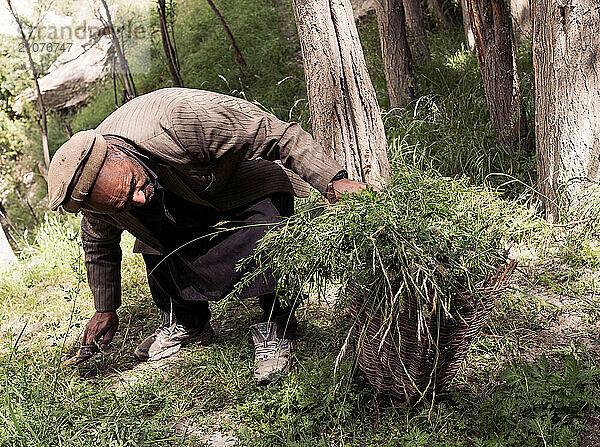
pixel 115 401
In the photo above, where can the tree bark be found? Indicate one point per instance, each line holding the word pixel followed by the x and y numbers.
pixel 128 84
pixel 567 101
pixel 65 119
pixel 7 227
pixel 416 30
pixel 495 52
pixel 438 11
pixel 469 36
pixel 397 59
pixel 346 119
pixel 24 199
pixel 520 11
pixel 170 54
pixel 239 59
pixel 43 122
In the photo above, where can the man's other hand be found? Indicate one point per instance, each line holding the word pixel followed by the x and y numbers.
pixel 345 186
pixel 100 329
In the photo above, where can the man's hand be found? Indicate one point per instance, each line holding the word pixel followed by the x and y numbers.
pixel 345 186
pixel 100 329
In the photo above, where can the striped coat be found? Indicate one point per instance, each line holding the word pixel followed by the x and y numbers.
pixel 208 148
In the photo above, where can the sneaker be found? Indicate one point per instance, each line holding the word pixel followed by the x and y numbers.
pixel 167 340
pixel 272 355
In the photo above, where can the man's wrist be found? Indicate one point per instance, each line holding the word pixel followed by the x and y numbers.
pixel 339 176
pixel 106 303
pixel 105 310
pixel 329 192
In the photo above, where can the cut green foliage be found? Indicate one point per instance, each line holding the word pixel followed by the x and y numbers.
pixel 425 235
pixel 407 258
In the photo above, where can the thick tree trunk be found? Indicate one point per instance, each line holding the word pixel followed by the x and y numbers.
pixel 397 60
pixel 438 11
pixel 495 52
pixel 128 84
pixel 469 36
pixel 567 101
pixel 170 54
pixel 416 30
pixel 239 59
pixel 346 119
pixel 43 122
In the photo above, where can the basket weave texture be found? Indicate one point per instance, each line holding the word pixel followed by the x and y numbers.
pixel 409 360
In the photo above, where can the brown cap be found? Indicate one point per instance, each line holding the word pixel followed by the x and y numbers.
pixel 74 169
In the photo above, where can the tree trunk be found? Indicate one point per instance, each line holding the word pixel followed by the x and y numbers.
pixel 520 11
pixel 43 122
pixel 65 120
pixel 438 11
pixel 567 101
pixel 24 199
pixel 167 46
pixel 495 52
pixel 7 227
pixel 469 36
pixel 239 59
pixel 128 84
pixel 416 30
pixel 346 119
pixel 397 60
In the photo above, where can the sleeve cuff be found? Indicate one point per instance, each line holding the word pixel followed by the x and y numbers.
pixel 340 175
pixel 106 305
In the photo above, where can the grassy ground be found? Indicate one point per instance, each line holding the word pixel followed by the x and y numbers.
pixel 530 380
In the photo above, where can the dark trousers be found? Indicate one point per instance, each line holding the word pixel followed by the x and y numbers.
pixel 183 281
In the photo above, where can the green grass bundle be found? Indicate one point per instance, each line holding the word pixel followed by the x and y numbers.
pixel 426 240
pixel 424 234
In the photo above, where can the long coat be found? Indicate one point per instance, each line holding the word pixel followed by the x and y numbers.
pixel 207 148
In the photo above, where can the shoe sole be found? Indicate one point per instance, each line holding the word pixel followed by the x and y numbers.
pixel 167 352
pixel 277 376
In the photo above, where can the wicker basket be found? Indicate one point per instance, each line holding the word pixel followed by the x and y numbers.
pixel 410 363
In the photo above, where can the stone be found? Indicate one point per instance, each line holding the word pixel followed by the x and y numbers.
pixel 71 78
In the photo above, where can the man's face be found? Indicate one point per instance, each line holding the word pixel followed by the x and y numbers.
pixel 121 184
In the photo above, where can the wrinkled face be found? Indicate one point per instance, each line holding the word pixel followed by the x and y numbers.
pixel 122 183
